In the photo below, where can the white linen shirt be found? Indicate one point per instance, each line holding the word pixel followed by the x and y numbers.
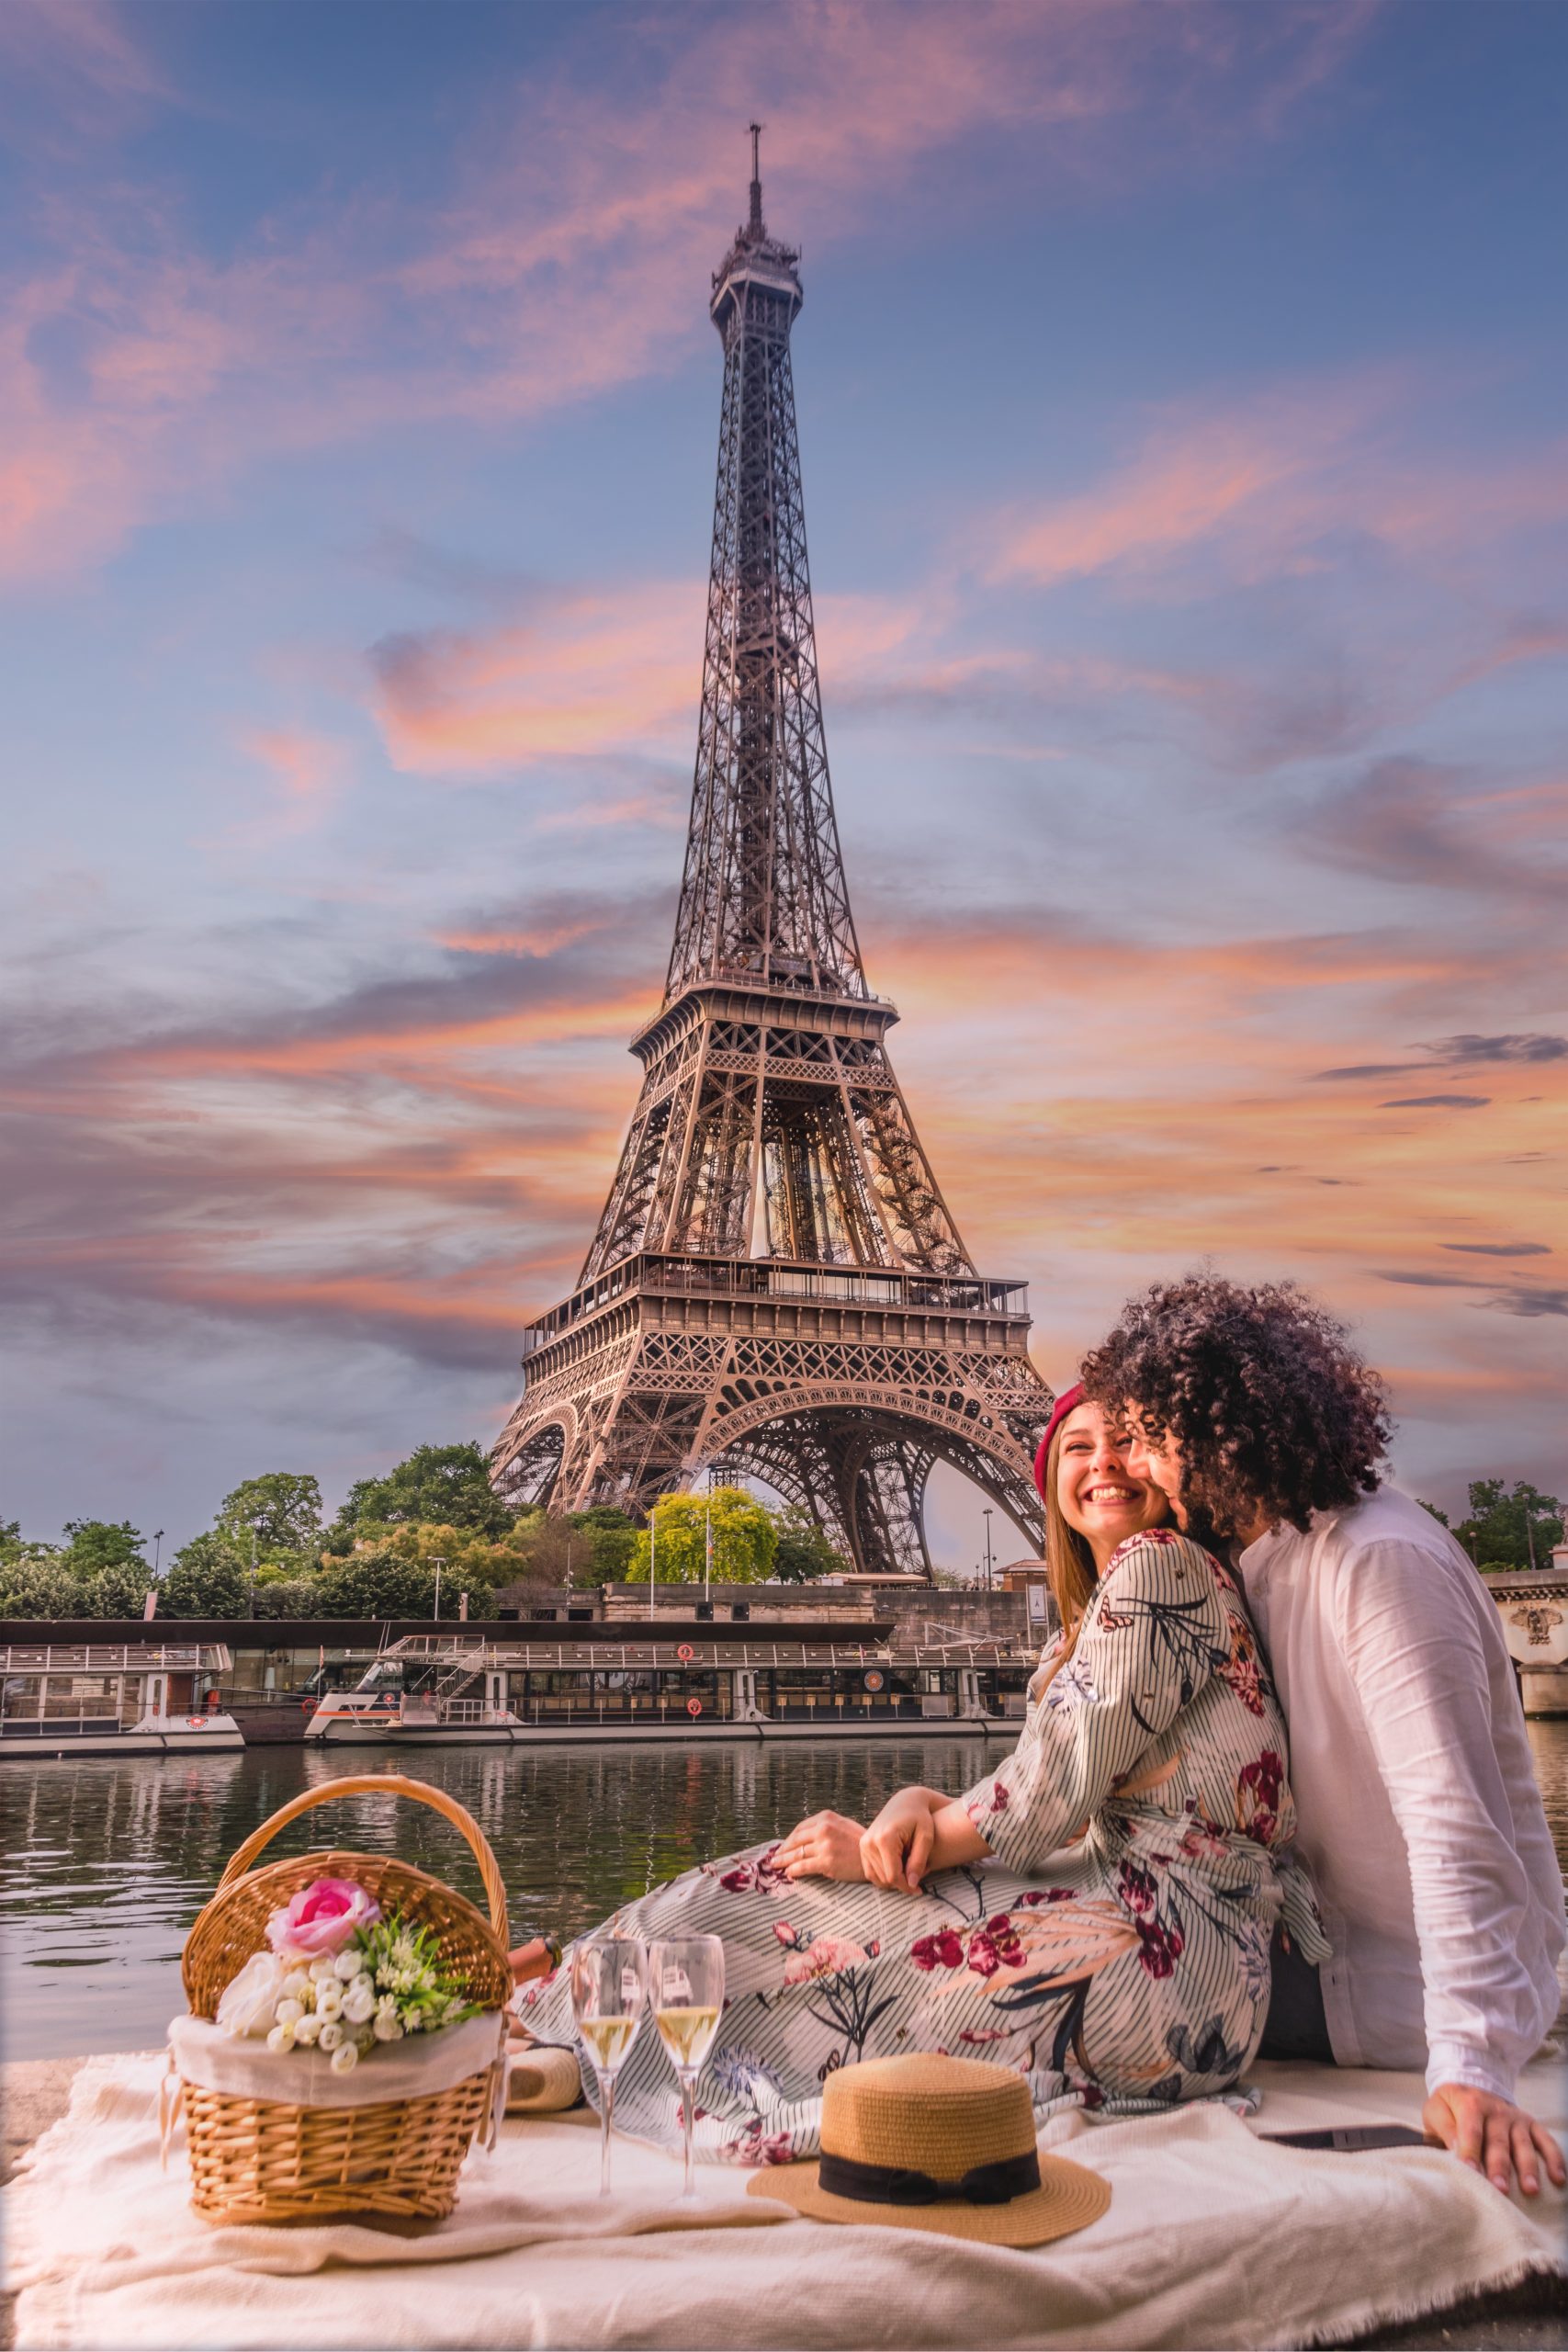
pixel 1418 1812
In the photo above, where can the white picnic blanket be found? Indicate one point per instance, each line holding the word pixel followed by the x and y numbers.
pixel 1212 2239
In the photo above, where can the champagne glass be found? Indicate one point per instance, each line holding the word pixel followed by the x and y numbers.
pixel 609 1990
pixel 685 1986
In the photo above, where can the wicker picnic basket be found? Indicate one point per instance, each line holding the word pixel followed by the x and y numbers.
pixel 269 2160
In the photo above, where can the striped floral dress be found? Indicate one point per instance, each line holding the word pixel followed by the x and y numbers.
pixel 1115 1949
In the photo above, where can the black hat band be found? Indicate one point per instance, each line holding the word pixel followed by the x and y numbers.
pixel 993 2184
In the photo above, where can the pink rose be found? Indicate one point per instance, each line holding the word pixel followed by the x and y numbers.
pixel 827 1956
pixel 323 1919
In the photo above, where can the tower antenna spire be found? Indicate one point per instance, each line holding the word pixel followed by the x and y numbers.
pixel 755 223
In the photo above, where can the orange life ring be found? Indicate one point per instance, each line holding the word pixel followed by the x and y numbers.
pixel 874 1679
pixel 693 1706
pixel 685 1651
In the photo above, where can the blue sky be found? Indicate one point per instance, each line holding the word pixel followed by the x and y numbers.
pixel 1179 394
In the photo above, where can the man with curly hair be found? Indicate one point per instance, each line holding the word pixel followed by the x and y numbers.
pixel 1419 1814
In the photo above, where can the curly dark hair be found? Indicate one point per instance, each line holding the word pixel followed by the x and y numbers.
pixel 1273 1409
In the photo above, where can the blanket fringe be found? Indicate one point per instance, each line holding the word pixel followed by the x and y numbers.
pixel 1408 2309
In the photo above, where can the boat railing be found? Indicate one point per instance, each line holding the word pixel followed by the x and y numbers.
pixel 464 1659
pixel 563 1657
pixel 115 1658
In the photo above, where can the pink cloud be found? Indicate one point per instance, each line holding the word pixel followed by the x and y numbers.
pixel 598 670
pixel 1254 491
pixel 614 667
pixel 572 254
pixel 308 772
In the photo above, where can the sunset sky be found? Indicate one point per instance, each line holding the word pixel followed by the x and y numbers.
pixel 1181 407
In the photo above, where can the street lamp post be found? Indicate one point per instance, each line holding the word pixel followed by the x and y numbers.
pixel 157 1551
pixel 438 1565
pixel 707 1545
pixel 988 1518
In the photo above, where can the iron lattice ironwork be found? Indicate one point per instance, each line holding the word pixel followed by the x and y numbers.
pixel 777 1288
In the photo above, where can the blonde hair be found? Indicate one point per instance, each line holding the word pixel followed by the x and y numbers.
pixel 1069 1564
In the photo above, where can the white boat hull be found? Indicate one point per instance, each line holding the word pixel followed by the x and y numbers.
pixel 178 1735
pixel 339 1731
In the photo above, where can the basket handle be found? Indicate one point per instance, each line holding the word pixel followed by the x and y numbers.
pixel 382 1784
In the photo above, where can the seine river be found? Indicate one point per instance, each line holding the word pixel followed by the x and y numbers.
pixel 104 1863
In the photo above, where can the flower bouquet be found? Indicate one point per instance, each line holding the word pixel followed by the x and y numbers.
pixel 339 1976
pixel 300 1972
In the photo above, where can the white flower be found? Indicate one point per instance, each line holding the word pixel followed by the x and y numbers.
pixel 328 2000
pixel 296 1986
pixel 249 2002
pixel 307 2030
pixel 360 2001
pixel 331 2035
pixel 349 1962
pixel 345 2058
pixel 385 2027
pixel 280 2037
pixel 289 2012
pixel 322 1970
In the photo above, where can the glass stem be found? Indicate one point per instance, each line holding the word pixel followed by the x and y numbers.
pixel 688 2100
pixel 606 2109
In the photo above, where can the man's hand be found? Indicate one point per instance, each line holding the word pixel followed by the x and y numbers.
pixel 895 1851
pixel 826 1845
pixel 1498 2138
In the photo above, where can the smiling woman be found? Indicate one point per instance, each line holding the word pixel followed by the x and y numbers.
pixel 1092 1502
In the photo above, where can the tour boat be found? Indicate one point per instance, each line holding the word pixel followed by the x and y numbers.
pixel 436 1709
pixel 114 1699
pixel 679 1683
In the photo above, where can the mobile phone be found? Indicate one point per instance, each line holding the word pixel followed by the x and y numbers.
pixel 1352 2139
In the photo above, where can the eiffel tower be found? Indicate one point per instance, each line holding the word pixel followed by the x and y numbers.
pixel 776 1289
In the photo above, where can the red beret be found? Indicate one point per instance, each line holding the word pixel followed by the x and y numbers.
pixel 1068 1402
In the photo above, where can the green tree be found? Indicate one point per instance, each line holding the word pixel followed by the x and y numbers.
pixel 580 1548
pixel 804 1552
pixel 93 1543
pixel 381 1583
pixel 1502 1529
pixel 282 1510
pixel 446 1486
pixel 207 1579
pixel 279 1594
pixel 117 1591
pixel 36 1583
pixel 744 1539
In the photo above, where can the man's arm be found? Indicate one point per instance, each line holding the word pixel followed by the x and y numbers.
pixel 1414 1650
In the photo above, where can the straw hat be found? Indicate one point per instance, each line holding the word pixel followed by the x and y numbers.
pixel 937 2143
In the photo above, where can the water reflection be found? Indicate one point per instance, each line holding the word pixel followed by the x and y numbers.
pixel 105 1861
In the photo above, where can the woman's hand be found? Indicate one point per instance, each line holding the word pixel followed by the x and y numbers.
pixel 896 1849
pixel 826 1845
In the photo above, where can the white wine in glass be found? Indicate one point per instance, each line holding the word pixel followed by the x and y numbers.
pixel 685 1988
pixel 609 1991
